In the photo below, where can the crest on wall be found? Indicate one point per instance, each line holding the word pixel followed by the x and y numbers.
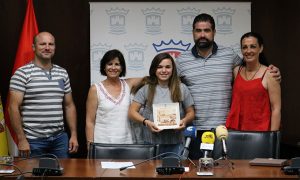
pixel 224 20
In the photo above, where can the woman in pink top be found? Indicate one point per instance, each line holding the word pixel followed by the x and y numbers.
pixel 256 99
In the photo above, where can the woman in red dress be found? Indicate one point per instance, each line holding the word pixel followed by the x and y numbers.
pixel 256 95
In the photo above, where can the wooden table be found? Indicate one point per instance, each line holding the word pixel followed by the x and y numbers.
pixel 91 169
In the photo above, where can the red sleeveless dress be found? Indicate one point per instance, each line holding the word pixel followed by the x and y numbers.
pixel 250 106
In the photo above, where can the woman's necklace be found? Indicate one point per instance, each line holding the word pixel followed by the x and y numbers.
pixel 248 79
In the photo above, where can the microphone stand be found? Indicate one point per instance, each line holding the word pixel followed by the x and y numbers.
pixel 162 154
pixel 225 158
pixel 40 155
pixel 52 171
pixel 191 162
pixel 125 167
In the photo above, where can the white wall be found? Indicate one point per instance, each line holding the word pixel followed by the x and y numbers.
pixel 142 29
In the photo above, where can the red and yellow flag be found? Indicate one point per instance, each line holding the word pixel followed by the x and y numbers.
pixel 3 140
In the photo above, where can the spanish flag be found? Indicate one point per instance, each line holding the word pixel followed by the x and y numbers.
pixel 3 140
pixel 24 55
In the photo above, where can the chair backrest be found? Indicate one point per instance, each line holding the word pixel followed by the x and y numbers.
pixel 122 151
pixel 250 145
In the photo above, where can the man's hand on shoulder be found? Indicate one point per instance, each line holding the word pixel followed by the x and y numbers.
pixel 275 72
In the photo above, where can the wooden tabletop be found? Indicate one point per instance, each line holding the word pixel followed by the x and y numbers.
pixel 91 169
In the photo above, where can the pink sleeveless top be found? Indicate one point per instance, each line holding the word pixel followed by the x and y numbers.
pixel 250 106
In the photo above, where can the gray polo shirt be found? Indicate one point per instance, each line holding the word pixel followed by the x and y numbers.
pixel 162 95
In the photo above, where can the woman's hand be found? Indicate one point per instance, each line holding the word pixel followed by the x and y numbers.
pixel 182 125
pixel 152 126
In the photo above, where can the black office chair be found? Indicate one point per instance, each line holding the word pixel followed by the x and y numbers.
pixel 122 151
pixel 250 145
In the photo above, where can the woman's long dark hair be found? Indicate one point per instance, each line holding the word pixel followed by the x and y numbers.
pixel 262 57
pixel 152 81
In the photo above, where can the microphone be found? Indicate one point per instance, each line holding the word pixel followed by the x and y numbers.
pixel 47 166
pixel 222 134
pixel 171 165
pixel 190 133
pixel 208 140
pixel 206 163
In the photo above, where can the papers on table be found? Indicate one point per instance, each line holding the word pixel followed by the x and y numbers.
pixel 6 171
pixel 116 165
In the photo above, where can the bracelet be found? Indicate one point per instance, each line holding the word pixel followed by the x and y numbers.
pixel 144 122
pixel 88 142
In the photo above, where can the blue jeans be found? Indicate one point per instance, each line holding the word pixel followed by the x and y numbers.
pixel 57 145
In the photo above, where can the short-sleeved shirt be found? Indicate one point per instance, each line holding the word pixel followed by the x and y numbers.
pixel 44 91
pixel 162 95
pixel 112 124
pixel 209 81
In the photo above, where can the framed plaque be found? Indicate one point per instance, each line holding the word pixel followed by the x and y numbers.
pixel 166 115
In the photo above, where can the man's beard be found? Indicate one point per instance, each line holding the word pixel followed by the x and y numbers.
pixel 203 44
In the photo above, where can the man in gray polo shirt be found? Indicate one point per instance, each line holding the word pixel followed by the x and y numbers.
pixel 207 72
pixel 38 93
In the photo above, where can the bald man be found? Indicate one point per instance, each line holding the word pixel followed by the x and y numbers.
pixel 38 93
